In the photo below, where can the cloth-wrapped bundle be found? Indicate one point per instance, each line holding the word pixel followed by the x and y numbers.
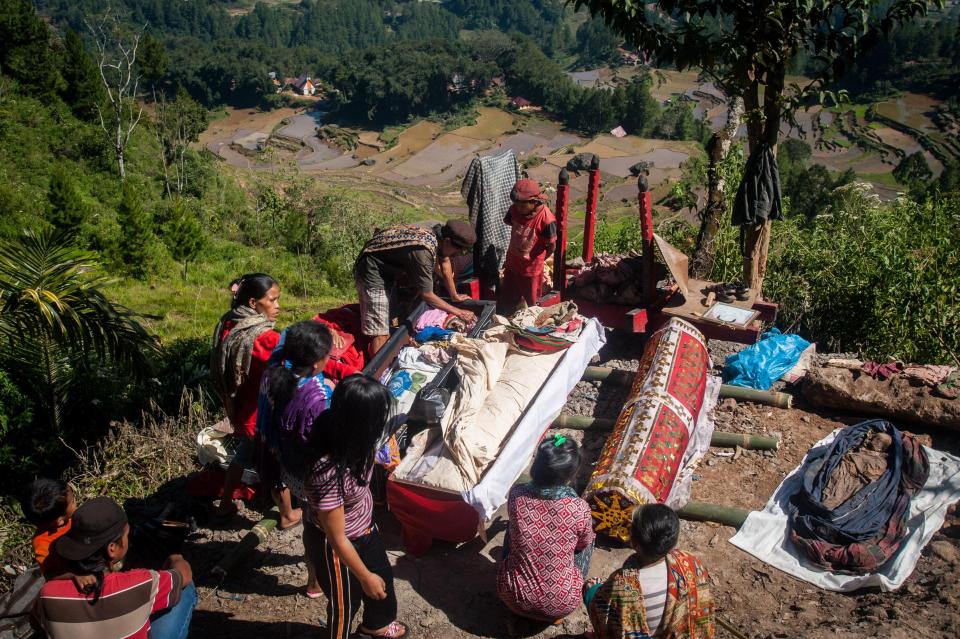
pixel 849 517
pixel 662 430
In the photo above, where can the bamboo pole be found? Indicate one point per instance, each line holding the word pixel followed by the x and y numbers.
pixel 258 534
pixel 702 511
pixel 719 439
pixel 624 378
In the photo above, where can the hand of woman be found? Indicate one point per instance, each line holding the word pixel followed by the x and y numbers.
pixel 374 586
pixel 338 341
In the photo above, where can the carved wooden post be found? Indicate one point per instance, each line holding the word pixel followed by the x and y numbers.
pixel 560 253
pixel 590 221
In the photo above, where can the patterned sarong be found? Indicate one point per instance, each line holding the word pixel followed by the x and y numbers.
pixel 645 452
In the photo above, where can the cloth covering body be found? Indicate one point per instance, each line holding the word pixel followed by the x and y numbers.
pixel 862 533
pixel 429 508
pixel 766 533
pixel 242 344
pixel 662 430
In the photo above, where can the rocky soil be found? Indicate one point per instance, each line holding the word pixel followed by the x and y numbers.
pixel 450 592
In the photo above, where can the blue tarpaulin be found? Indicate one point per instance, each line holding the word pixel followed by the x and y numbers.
pixel 760 365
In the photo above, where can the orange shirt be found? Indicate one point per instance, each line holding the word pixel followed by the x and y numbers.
pixel 43 538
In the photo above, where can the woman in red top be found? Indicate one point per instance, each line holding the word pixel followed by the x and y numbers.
pixel 532 238
pixel 242 344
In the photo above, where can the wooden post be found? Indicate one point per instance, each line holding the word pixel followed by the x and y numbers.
pixel 649 285
pixel 590 221
pixel 719 439
pixel 560 254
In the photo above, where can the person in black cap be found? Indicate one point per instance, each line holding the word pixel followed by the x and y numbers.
pixel 139 604
pixel 405 257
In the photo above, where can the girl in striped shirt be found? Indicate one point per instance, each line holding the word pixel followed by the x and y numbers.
pixel 339 536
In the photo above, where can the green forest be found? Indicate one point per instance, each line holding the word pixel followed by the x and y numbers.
pixel 115 253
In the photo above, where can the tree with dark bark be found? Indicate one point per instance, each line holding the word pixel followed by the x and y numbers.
pixel 745 48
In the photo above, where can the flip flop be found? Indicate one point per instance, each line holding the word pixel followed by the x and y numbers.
pixel 396 630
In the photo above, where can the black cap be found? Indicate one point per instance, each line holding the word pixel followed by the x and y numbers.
pixel 94 525
pixel 460 233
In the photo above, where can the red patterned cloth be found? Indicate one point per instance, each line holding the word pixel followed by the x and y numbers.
pixel 645 453
pixel 538 577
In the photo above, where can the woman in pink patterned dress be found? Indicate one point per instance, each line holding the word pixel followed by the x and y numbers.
pixel 549 541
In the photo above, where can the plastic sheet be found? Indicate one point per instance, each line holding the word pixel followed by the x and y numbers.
pixel 760 365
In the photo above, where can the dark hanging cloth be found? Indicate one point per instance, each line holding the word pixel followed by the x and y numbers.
pixel 758 198
pixel 863 532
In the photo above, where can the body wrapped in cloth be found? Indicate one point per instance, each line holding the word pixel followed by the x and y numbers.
pixel 663 429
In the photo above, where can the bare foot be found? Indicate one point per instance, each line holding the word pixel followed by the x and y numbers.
pixel 291 520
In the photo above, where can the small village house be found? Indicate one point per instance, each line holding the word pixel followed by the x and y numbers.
pixel 303 86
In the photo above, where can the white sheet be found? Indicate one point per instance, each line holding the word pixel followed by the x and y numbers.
pixel 764 534
pixel 491 492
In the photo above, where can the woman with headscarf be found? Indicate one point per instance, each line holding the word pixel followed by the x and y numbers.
pixel 533 237
pixel 242 344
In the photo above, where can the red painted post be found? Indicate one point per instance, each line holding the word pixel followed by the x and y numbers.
pixel 646 232
pixel 590 221
pixel 560 253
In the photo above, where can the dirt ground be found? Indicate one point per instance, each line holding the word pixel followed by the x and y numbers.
pixel 450 591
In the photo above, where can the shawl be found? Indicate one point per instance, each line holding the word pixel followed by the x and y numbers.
pixel 617 609
pixel 396 237
pixel 230 358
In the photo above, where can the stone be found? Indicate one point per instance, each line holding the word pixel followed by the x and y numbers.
pixel 945 550
pixel 728 404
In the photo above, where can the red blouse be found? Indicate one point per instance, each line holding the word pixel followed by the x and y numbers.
pixel 245 419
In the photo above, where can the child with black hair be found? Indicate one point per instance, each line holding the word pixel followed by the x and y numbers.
pixel 48 504
pixel 659 591
pixel 339 536
pixel 549 540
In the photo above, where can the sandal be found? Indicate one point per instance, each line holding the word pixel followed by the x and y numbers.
pixel 396 630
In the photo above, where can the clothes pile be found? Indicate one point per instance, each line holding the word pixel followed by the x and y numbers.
pixel 849 516
pixel 611 278
pixel 941 380
pixel 546 330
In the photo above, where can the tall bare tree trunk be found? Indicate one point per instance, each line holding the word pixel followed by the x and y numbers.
pixel 117 62
pixel 710 219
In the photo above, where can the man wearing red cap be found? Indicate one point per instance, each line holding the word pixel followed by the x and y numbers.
pixel 532 239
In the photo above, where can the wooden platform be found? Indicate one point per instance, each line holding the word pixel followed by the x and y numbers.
pixel 691 308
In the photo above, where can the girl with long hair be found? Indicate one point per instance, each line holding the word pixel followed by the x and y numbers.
pixel 339 536
pixel 293 393
pixel 242 343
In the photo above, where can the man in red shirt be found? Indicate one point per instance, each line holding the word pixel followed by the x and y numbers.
pixel 135 604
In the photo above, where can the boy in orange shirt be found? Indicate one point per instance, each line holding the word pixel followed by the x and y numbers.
pixel 49 505
pixel 533 237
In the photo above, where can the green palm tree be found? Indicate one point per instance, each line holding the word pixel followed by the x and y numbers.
pixel 55 322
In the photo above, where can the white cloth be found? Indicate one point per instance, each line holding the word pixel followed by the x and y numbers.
pixel 765 534
pixel 697 446
pixel 411 359
pixel 491 493
pixel 653 584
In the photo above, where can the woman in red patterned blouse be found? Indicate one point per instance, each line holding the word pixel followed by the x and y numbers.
pixel 549 541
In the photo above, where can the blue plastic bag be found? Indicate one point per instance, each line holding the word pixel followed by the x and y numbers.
pixel 760 365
